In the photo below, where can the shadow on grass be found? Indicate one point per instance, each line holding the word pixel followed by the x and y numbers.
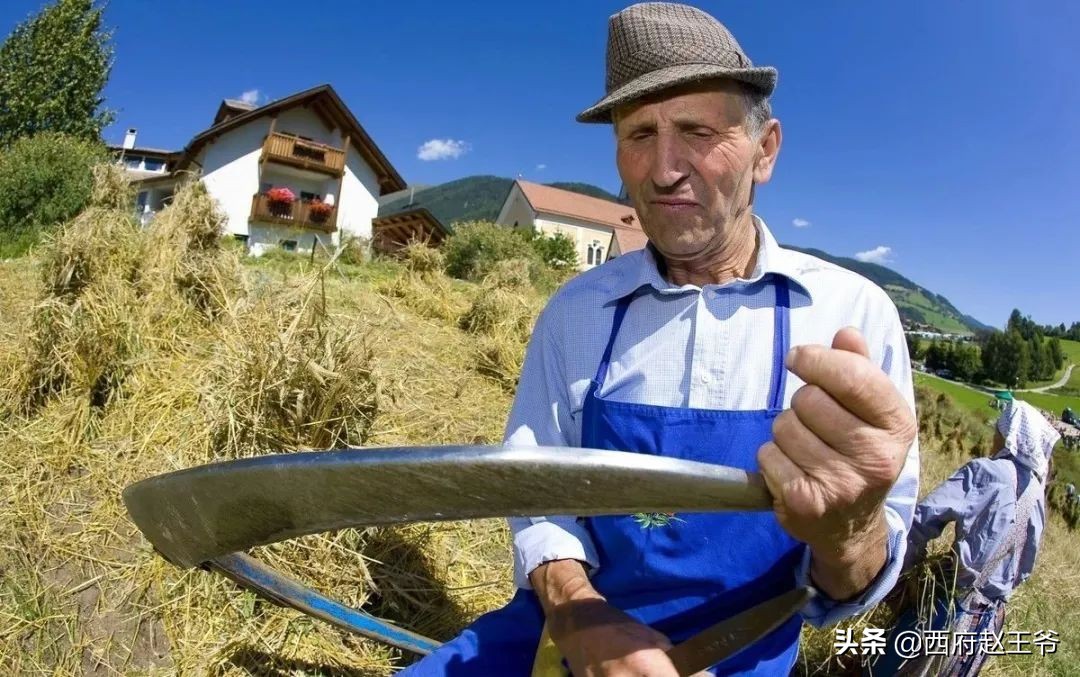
pixel 409 590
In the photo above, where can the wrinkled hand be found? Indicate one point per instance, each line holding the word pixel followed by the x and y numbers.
pixel 835 455
pixel 598 639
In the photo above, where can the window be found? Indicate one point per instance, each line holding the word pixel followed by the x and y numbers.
pixel 599 255
pixel 133 161
pixel 152 165
pixel 141 200
pixel 590 255
pixel 288 245
pixel 308 197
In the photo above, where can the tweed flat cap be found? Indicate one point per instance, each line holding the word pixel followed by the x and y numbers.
pixel 655 45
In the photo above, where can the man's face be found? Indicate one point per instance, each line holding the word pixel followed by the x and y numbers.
pixel 689 165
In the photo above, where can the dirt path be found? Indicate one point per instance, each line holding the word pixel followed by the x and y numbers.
pixel 991 391
pixel 1061 381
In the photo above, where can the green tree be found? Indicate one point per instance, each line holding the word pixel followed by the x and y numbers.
pixel 476 246
pixel 914 346
pixel 558 251
pixel 44 180
pixel 964 362
pixel 1037 365
pixel 1057 355
pixel 1005 358
pixel 53 68
pixel 937 356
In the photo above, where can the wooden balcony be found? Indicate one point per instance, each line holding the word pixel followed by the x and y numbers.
pixel 298 214
pixel 292 150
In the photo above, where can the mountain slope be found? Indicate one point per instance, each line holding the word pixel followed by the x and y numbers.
pixel 917 305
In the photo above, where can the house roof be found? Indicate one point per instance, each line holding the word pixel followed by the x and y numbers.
pixel 622 220
pixel 392 231
pixel 143 150
pixel 630 239
pixel 328 106
pixel 231 107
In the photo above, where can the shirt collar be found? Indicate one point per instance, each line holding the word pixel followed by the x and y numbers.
pixel 771 259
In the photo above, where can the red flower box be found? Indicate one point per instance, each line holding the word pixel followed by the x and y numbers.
pixel 281 195
pixel 320 209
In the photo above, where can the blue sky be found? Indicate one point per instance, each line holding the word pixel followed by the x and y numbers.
pixel 940 138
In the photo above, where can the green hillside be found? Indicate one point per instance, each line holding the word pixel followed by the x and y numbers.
pixel 481 197
pixel 917 305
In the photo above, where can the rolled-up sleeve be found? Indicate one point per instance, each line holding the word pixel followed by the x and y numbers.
pixel 541 415
pixel 900 503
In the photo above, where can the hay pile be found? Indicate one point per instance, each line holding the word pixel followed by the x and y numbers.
pixel 423 288
pixel 502 316
pixel 146 351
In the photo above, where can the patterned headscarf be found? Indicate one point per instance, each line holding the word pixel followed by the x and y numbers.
pixel 1029 437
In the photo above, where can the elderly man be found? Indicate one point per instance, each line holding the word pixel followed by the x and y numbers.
pixel 683 350
pixel 999 507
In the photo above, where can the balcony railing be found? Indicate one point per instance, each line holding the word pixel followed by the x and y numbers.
pixel 297 214
pixel 292 150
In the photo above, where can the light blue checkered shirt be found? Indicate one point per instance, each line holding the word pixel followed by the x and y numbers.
pixel 702 347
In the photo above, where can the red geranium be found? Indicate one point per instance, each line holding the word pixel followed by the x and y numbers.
pixel 281 194
pixel 320 208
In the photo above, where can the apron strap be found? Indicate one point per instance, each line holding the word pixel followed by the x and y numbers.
pixel 601 370
pixel 781 342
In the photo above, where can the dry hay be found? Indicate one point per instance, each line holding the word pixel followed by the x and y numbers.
pixel 183 244
pixel 78 338
pixel 309 363
pixel 284 376
pixel 353 250
pixel 502 316
pixel 423 259
pixel 511 275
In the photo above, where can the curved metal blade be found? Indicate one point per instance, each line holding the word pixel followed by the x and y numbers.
pixel 195 515
pixel 731 635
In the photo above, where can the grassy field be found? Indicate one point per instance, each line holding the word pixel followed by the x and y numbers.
pixel 973 401
pixel 120 365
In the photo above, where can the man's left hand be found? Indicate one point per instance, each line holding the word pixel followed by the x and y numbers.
pixel 834 456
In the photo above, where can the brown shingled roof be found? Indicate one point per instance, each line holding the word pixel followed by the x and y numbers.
pixel 621 219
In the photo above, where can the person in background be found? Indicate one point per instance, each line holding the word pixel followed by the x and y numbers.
pixel 999 507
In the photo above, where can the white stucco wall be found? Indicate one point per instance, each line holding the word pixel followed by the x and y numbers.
pixel 359 196
pixel 582 233
pixel 302 122
pixel 230 170
pixel 263 237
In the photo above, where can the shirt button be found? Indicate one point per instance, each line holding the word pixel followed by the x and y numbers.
pixel 704 378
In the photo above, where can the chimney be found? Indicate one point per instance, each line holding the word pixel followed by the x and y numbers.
pixel 129 138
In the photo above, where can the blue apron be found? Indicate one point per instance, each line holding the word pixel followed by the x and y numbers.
pixel 679 574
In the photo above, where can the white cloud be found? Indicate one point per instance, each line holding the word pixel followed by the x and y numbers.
pixel 251 97
pixel 800 223
pixel 442 149
pixel 541 167
pixel 879 254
